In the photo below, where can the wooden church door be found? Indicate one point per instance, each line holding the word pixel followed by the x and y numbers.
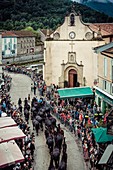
pixel 72 78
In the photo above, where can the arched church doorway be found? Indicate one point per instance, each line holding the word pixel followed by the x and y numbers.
pixel 73 78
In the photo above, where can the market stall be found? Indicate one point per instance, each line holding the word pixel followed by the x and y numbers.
pixel 10 133
pixel 7 122
pixel 10 154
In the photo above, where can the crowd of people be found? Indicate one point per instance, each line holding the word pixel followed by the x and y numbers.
pixel 39 112
pixel 79 115
pixel 43 120
pixel 4 94
pixel 7 108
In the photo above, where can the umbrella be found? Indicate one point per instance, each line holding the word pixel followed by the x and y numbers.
pixel 56 152
pixel 101 135
pixel 47 122
pixel 41 113
pixel 38 118
pixel 34 121
pixel 42 110
pixel 33 108
pixel 59 137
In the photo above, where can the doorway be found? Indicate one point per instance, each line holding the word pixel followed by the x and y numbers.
pixel 73 78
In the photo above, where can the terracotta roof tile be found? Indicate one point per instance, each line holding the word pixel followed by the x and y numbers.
pixel 96 28
pixel 8 34
pixel 106 28
pixel 24 33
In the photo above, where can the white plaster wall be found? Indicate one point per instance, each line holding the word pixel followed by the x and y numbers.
pixel 80 29
pixel 8 51
pixel 56 51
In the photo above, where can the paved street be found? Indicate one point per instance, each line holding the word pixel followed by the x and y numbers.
pixel 21 87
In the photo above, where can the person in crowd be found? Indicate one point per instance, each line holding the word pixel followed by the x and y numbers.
pixel 76 114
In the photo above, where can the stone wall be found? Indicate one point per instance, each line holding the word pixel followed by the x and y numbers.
pixel 25 58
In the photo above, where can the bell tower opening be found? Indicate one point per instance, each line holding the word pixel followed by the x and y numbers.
pixel 72 20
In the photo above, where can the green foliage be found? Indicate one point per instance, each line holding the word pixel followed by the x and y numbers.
pixel 37 35
pixel 19 14
pixel 29 29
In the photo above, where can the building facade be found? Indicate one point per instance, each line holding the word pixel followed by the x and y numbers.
pixel 25 42
pixel 104 86
pixel 9 44
pixel 69 59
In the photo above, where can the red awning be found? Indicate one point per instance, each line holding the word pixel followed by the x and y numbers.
pixel 10 133
pixel 10 154
pixel 7 122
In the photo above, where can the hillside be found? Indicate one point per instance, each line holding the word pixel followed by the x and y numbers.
pixel 20 14
pixel 107 7
pixel 102 1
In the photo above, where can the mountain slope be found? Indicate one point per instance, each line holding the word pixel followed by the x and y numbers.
pixel 106 7
pixel 19 14
pixel 101 1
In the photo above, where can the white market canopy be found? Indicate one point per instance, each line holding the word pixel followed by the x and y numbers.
pixel 10 154
pixel 7 122
pixel 10 133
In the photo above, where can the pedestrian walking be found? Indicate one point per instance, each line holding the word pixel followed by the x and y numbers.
pixel 29 97
pixel 34 89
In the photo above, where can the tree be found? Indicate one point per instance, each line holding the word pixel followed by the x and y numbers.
pixel 8 25
pixel 43 14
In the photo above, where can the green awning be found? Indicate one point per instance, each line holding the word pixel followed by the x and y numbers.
pixel 101 135
pixel 78 92
pixel 104 95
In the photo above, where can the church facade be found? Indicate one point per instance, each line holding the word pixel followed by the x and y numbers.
pixel 69 58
